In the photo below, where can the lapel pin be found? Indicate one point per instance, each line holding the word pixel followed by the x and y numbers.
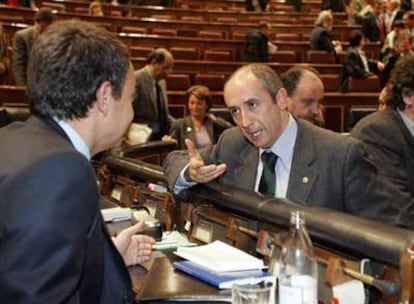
pixel 305 180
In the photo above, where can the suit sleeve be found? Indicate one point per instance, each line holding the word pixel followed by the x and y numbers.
pixel 19 63
pixel 369 195
pixel 53 207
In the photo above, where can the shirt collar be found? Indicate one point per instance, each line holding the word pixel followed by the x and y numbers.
pixel 284 145
pixel 408 122
pixel 75 138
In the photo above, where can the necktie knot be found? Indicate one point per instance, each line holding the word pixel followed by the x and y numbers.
pixel 269 160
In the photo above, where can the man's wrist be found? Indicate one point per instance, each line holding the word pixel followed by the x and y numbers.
pixel 187 176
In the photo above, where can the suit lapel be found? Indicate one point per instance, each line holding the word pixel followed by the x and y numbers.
pixel 249 157
pixel 149 83
pixel 189 131
pixel 304 171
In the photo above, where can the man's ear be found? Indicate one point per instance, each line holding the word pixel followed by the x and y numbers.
pixel 408 97
pixel 104 97
pixel 282 99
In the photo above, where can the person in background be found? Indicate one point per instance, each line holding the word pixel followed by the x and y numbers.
pixel 81 104
pixel 258 47
pixel 408 20
pixel 202 127
pixel 4 58
pixel 381 99
pixel 404 49
pixel 368 20
pixel 312 166
pixel 305 90
pixel 126 11
pixel 151 103
pixel 95 9
pixel 391 41
pixel 23 41
pixel 352 10
pixel 393 13
pixel 356 64
pixel 388 135
pixel 320 38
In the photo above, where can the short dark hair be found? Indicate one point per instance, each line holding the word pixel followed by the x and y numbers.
pixel 68 64
pixel 44 14
pixel 355 38
pixel 401 82
pixel 291 77
pixel 265 74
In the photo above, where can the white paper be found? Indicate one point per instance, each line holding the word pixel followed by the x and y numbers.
pixel 220 256
pixel 116 214
pixel 351 292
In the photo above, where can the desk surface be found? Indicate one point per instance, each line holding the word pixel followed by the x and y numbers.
pixel 162 282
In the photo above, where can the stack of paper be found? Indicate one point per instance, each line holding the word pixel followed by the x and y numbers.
pixel 221 265
pixel 220 256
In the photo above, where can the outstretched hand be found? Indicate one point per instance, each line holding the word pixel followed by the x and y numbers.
pixel 134 248
pixel 198 171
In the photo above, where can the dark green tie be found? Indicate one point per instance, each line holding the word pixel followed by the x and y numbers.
pixel 268 180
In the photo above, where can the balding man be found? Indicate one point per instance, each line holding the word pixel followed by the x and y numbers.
pixel 151 105
pixel 310 165
pixel 305 90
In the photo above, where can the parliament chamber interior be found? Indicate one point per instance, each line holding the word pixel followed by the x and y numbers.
pixel 207 39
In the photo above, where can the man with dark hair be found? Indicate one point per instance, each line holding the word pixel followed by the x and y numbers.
pixel 304 90
pixel 55 247
pixel 388 135
pixel 23 41
pixel 356 64
pixel 151 103
pixel 311 166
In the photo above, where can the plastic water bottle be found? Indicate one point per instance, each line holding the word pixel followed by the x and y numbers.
pixel 298 269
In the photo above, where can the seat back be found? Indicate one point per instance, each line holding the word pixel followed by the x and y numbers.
pixel 287 37
pixel 178 82
pixel 313 56
pixel 331 82
pixel 214 82
pixel 164 32
pixel 283 56
pixel 185 53
pixel 217 55
pixel 368 84
pixel 211 35
pixel 133 30
pixel 140 51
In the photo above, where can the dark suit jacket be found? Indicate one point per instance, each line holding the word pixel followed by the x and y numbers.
pixel 54 245
pixel 328 170
pixel 320 40
pixel 183 128
pixel 369 26
pixel 22 45
pixel 145 104
pixel 391 146
pixel 354 67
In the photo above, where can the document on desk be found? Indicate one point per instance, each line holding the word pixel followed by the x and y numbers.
pixel 219 255
pixel 172 240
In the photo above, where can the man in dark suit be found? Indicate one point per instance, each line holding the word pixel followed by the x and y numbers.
pixel 388 135
pixel 55 247
pixel 151 103
pixel 320 37
pixel 314 166
pixel 356 64
pixel 23 41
